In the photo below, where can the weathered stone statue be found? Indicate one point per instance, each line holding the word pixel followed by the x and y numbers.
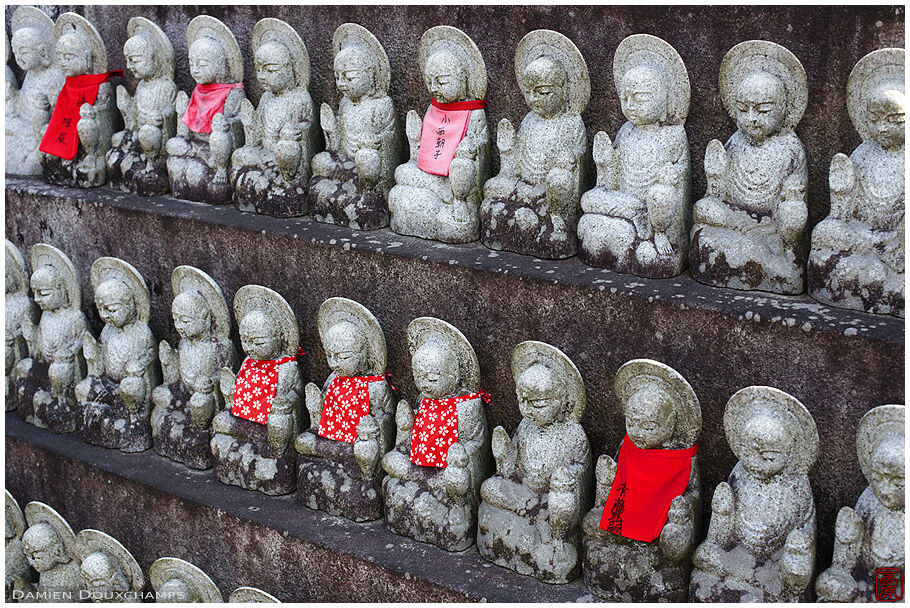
pixel 45 379
pixel 857 255
pixel 29 109
pixel 176 580
pixel 79 132
pixel 270 173
pixel 531 207
pixel 208 125
pixel 639 537
pixel 253 441
pixel 870 536
pixel 188 398
pixel 109 572
pixel 137 160
pixel 438 191
pixel 115 396
pixel 748 231
pixel 352 177
pixel 635 219
pixel 251 595
pixel 441 455
pixel 20 309
pixel 761 539
pixel 49 545
pixel 351 418
pixel 530 517
pixel 18 572
pixel 12 84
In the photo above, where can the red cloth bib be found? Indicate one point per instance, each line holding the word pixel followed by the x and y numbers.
pixel 346 402
pixel 255 388
pixel 436 429
pixel 646 483
pixel 206 101
pixel 61 138
pixel 444 126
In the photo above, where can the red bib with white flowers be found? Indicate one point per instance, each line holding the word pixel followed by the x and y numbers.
pixel 255 388
pixel 346 402
pixel 436 429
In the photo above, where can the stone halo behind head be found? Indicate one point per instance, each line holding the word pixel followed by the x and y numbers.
pixel 869 73
pixel 257 297
pixel 424 329
pixel 14 513
pixel 651 51
pixel 336 310
pixel 532 352
pixel 36 19
pixel 89 541
pixel 876 425
pixel 251 595
pixel 547 43
pixel 275 30
pixel 186 278
pixel 71 21
pixel 140 26
pixel 446 37
pixel 167 568
pixel 43 254
pixel 107 268
pixel 206 26
pixel 38 512
pixel 354 34
pixel 15 263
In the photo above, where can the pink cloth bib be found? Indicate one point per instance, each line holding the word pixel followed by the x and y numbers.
pixel 206 101
pixel 444 126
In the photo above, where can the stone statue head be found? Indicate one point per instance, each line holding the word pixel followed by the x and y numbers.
pixel 436 370
pixel 43 547
pixel 141 57
pixel 260 336
pixel 354 73
pixel 445 76
pixel 106 568
pixel 274 68
pixel 192 315
pixel 208 61
pixel 643 96
pixel 543 84
pixel 48 288
pixel 177 590
pixel 887 479
pixel 352 338
pixel 885 109
pixel 176 580
pixel 650 418
pixel 767 445
pixel 102 576
pixel 443 362
pixel 875 97
pixel 115 303
pixel 541 396
pixel 32 51
pixel 761 104
pixel 55 277
pixel 74 53
pixel 268 326
pixel 346 349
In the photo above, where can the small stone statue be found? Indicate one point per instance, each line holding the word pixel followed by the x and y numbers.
pixel 12 85
pixel 188 399
pixel 123 369
pixel 871 536
pixel 19 576
pixel 531 207
pixel 530 517
pixel 175 580
pixel 635 219
pixel 49 545
pixel 251 595
pixel 79 132
pixel 109 572
pixel 748 231
pixel 29 111
pixel 351 417
pixel 352 177
pixel 208 125
pixel 137 161
pixel 253 441
pixel 663 422
pixel 271 171
pixel 857 255
pixel 20 309
pixel 45 379
pixel 761 539
pixel 438 191
pixel 441 456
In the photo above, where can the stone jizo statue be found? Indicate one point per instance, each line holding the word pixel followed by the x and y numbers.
pixel 438 191
pixel 253 441
pixel 532 205
pixel 530 517
pixel 188 398
pixel 20 309
pixel 441 454
pixel 270 173
pixel 353 176
pixel 79 132
pixel 49 545
pixel 871 535
pixel 761 539
pixel 18 571
pixel 115 396
pixel 251 595
pixel 857 255
pixel 663 422
pixel 46 378
pixel 109 571
pixel 176 580
pixel 29 109
pixel 137 160
pixel 352 417
pixel 635 219
pixel 748 231
pixel 208 123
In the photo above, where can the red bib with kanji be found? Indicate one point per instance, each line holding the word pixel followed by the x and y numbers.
pixel 206 101
pixel 61 138
pixel 646 483
pixel 255 388
pixel 436 429
pixel 444 126
pixel 346 402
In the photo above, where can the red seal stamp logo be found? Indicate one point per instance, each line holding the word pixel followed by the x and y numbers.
pixel 889 584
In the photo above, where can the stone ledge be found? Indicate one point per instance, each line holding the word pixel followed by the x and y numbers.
pixel 158 508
